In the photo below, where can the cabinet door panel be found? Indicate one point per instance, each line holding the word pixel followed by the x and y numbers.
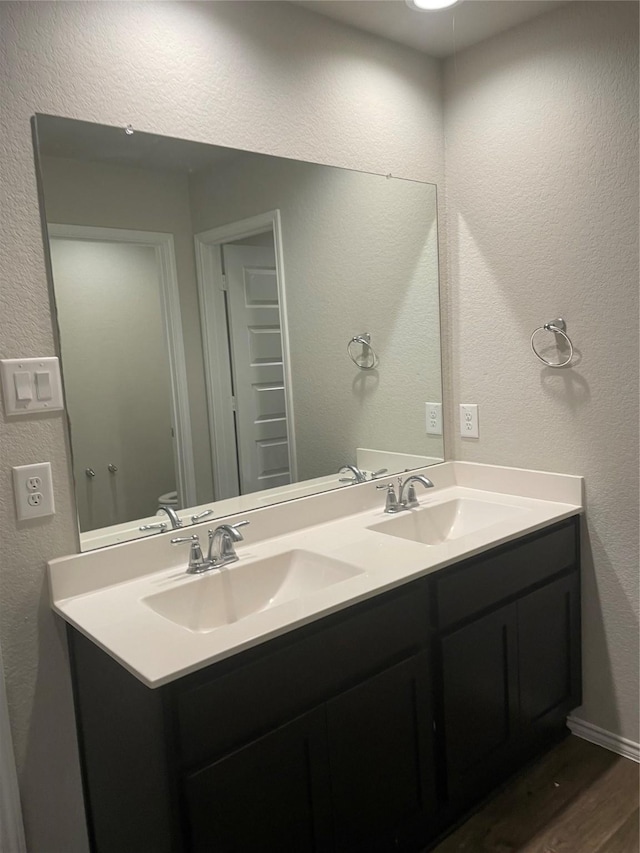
pixel 480 696
pixel 242 700
pixel 271 795
pixel 549 654
pixel 381 759
pixel 486 581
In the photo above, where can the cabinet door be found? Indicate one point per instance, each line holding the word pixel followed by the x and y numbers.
pixel 549 658
pixel 479 713
pixel 270 796
pixel 381 760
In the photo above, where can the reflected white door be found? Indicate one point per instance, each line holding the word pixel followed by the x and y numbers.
pixel 257 367
pixel 116 376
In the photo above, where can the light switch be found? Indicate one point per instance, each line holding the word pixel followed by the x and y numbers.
pixel 43 384
pixel 22 381
pixel 31 385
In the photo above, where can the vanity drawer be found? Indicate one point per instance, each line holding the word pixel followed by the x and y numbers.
pixel 485 581
pixel 294 673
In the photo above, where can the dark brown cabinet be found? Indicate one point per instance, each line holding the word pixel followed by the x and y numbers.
pixel 321 740
pixel 365 732
pixel 548 656
pixel 479 702
pixel 355 774
pixel 509 677
pixel 271 794
pixel 381 760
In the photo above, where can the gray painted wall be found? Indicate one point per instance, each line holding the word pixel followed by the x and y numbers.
pixel 541 147
pixel 360 255
pixel 244 75
pixel 541 135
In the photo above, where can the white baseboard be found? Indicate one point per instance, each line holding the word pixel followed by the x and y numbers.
pixel 601 737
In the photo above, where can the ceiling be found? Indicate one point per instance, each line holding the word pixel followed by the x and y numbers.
pixel 438 34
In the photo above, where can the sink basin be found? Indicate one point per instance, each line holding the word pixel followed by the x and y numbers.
pixel 205 602
pixel 442 522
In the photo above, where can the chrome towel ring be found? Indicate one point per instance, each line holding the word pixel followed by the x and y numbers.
pixel 558 327
pixel 369 355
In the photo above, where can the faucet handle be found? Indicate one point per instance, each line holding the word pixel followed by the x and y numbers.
pixel 223 537
pixel 391 504
pixel 200 515
pixel 239 524
pixel 197 563
pixel 161 526
pixel 379 473
pixel 412 499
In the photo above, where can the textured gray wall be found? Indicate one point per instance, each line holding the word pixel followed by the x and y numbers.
pixel 541 141
pixel 360 254
pixel 541 136
pixel 264 75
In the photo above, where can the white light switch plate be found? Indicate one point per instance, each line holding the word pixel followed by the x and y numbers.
pixel 31 385
pixel 469 420
pixel 33 487
pixel 434 418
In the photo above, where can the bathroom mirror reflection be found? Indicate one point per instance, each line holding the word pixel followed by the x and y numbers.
pixel 213 308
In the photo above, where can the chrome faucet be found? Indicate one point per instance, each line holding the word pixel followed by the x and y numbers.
pixel 221 541
pixel 221 551
pixel 411 500
pixel 174 518
pixel 359 476
pixel 396 503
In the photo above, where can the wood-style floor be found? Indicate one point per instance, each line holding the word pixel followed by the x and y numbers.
pixel 578 798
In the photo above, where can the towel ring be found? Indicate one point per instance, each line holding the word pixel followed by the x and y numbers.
pixel 365 340
pixel 558 327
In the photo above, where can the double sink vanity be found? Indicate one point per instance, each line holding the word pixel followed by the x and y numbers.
pixel 355 681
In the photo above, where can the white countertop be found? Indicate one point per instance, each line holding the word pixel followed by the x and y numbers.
pixel 101 593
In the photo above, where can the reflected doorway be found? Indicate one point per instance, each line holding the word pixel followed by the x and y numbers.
pixel 244 332
pixel 121 340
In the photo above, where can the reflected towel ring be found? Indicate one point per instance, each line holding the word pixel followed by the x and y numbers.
pixel 365 340
pixel 558 327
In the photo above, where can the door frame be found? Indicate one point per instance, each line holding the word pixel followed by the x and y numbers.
pixel 211 287
pixel 11 824
pixel 163 246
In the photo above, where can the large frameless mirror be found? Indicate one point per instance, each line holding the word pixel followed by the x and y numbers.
pixel 235 329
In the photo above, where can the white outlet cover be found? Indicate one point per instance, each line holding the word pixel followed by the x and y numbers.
pixel 433 415
pixel 31 385
pixel 469 427
pixel 23 492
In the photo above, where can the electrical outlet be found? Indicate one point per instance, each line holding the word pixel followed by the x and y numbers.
pixel 33 487
pixel 434 418
pixel 469 427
